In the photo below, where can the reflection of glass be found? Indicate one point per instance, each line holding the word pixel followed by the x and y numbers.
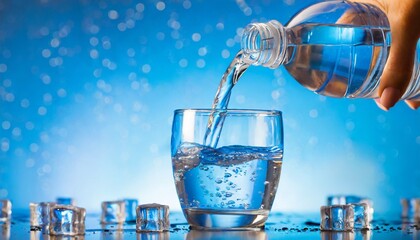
pixel 153 236
pixel 222 235
pixel 357 235
pixel 232 186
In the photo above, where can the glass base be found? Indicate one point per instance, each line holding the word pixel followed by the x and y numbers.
pixel 226 219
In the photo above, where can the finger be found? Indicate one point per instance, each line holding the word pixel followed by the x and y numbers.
pixel 399 66
pixel 413 104
pixel 397 72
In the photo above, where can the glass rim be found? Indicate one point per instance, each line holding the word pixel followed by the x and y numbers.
pixel 233 111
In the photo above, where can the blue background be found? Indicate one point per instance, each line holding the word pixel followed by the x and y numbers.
pixel 88 89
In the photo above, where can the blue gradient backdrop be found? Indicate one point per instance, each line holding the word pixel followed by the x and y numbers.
pixel 88 89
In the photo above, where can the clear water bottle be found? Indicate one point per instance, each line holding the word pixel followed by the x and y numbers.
pixel 334 48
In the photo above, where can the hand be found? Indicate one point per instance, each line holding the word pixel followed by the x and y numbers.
pixel 404 19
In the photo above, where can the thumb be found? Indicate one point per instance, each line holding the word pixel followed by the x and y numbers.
pixel 399 67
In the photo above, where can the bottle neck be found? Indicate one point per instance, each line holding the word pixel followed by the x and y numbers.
pixel 264 44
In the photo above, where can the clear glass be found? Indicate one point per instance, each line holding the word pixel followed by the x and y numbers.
pixel 334 48
pixel 232 186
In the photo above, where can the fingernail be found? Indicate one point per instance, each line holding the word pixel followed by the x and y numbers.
pixel 377 101
pixel 389 97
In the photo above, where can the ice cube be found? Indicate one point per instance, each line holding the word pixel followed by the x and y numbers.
pixel 67 220
pixel 361 216
pixel 337 218
pixel 40 214
pixel 353 199
pixel 349 199
pixel 130 209
pixel 336 200
pixel 152 218
pixel 5 210
pixel 65 201
pixel 113 212
pixel 410 209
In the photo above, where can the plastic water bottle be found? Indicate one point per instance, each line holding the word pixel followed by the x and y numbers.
pixel 334 48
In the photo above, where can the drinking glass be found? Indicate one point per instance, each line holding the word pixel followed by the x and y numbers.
pixel 230 183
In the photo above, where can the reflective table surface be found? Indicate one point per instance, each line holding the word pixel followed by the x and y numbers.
pixel 279 226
